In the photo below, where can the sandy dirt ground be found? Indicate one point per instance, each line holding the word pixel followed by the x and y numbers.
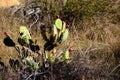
pixel 8 3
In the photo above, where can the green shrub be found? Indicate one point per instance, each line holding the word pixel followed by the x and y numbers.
pixel 81 9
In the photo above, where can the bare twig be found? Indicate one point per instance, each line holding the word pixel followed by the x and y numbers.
pixel 114 69
pixel 87 50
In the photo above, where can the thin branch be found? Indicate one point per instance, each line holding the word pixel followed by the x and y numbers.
pixel 30 76
pixel 88 49
pixel 114 69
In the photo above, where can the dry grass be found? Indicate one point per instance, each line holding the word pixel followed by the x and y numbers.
pixel 98 31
